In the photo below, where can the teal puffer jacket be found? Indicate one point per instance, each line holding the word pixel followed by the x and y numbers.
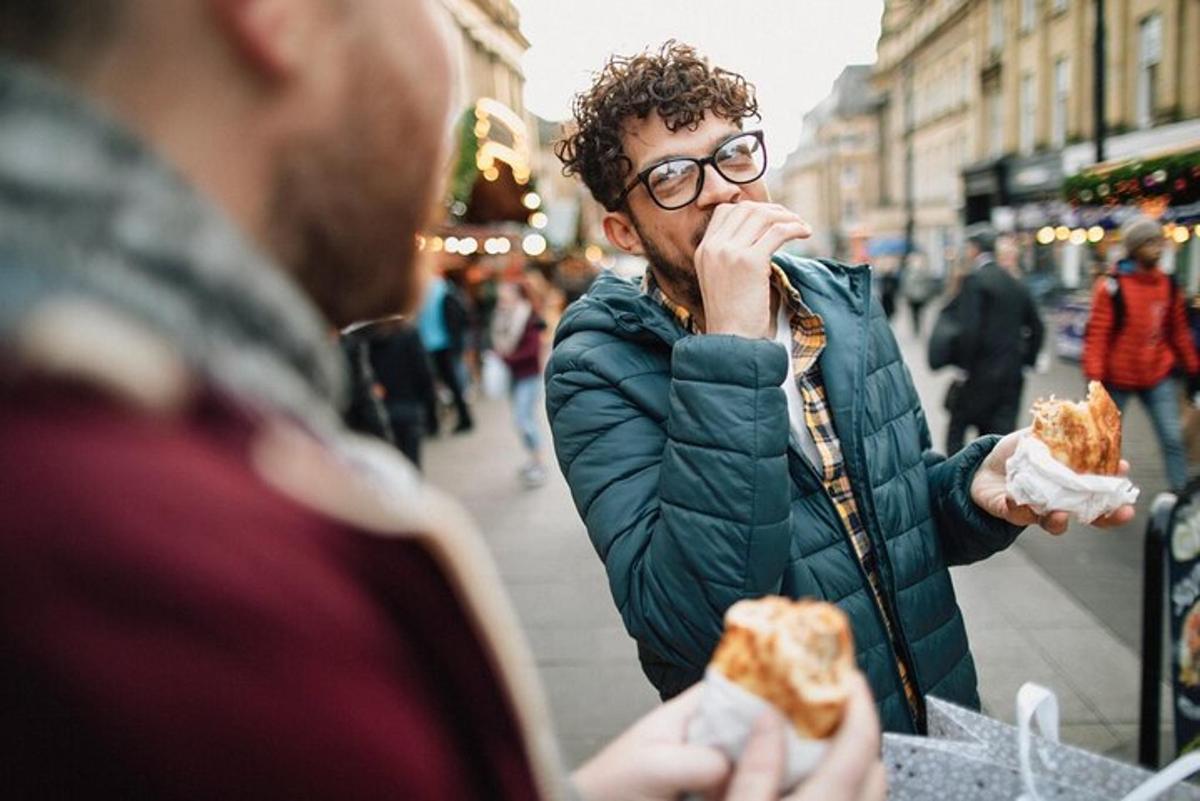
pixel 677 452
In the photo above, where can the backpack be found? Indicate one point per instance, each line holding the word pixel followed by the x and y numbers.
pixel 1112 284
pixel 945 338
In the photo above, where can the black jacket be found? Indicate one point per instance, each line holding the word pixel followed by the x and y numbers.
pixel 402 368
pixel 1002 330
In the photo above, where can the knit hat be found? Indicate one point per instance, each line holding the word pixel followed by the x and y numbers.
pixel 1137 231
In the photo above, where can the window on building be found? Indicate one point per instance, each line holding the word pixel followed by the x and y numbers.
pixel 1059 5
pixel 850 175
pixel 1028 15
pixel 996 124
pixel 1062 88
pixel 1149 61
pixel 850 212
pixel 996 25
pixel 1028 114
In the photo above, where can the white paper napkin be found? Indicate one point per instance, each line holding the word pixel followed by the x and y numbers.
pixel 1038 480
pixel 725 720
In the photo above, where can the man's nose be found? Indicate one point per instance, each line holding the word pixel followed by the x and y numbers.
pixel 717 189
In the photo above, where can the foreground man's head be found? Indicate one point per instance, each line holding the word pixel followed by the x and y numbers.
pixel 318 125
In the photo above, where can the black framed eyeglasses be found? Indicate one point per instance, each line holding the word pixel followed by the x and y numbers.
pixel 675 183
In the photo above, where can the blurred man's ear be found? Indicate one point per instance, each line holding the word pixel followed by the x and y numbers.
pixel 272 36
pixel 619 230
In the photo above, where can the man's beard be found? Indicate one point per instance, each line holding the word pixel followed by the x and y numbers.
pixel 348 204
pixel 677 276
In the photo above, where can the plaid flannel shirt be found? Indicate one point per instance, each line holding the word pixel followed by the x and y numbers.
pixel 808 342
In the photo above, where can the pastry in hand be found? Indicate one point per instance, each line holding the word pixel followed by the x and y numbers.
pixel 1085 436
pixel 798 655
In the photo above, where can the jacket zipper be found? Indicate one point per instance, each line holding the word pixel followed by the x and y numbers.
pixel 885 615
pixel 874 531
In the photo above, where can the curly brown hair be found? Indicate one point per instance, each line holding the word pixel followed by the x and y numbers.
pixel 676 82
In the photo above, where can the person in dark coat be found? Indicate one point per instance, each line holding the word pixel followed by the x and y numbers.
pixel 1001 336
pixel 365 412
pixel 401 367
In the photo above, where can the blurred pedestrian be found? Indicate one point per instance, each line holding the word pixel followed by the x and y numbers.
pixel 517 338
pixel 1008 255
pixel 889 287
pixel 1001 334
pixel 1138 335
pixel 919 285
pixel 211 588
pixel 443 323
pixel 402 368
pixel 365 411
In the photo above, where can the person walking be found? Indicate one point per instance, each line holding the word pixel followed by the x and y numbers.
pixel 889 287
pixel 401 366
pixel 919 286
pixel 442 323
pixel 1138 336
pixel 365 411
pixel 1001 335
pixel 517 339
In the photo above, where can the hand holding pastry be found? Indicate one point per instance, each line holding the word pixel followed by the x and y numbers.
pixel 1080 465
pixel 779 658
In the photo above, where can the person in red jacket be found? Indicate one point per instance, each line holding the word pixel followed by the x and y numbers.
pixel 1138 336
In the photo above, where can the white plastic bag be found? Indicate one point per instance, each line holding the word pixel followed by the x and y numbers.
pixel 969 756
pixel 1038 480
pixel 494 375
pixel 1035 702
pixel 725 720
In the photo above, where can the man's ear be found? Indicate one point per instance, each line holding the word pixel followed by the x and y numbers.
pixel 272 36
pixel 619 231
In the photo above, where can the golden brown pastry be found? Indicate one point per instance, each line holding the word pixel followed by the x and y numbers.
pixel 798 655
pixel 1086 436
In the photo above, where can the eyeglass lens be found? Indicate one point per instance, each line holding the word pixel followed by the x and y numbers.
pixel 677 183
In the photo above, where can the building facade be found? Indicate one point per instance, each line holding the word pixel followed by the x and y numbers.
pixel 487 44
pixel 833 178
pixel 989 107
pixel 926 74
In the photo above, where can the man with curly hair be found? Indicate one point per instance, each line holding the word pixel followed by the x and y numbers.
pixel 741 422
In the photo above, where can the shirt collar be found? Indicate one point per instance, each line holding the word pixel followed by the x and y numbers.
pixel 798 313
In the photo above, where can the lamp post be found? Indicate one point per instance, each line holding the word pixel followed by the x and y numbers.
pixel 910 201
pixel 1098 50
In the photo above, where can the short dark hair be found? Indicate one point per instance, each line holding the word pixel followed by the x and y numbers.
pixel 56 31
pixel 981 235
pixel 675 82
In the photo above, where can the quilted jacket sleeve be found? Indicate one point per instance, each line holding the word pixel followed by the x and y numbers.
pixel 689 513
pixel 967 533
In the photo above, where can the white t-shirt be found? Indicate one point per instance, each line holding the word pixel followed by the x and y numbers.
pixel 801 436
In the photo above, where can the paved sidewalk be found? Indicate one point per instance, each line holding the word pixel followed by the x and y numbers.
pixel 1022 625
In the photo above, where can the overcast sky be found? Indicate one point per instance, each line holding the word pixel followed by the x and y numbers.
pixel 790 49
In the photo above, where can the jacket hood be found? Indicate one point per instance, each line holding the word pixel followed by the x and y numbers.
pixel 617 305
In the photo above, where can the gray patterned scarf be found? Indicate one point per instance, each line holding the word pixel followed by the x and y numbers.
pixel 88 212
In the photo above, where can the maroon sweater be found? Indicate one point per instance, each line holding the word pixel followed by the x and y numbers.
pixel 526 359
pixel 173 628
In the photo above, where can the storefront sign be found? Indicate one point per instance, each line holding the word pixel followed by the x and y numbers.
pixel 1183 576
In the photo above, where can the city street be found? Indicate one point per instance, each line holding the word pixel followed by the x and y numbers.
pixel 1061 611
